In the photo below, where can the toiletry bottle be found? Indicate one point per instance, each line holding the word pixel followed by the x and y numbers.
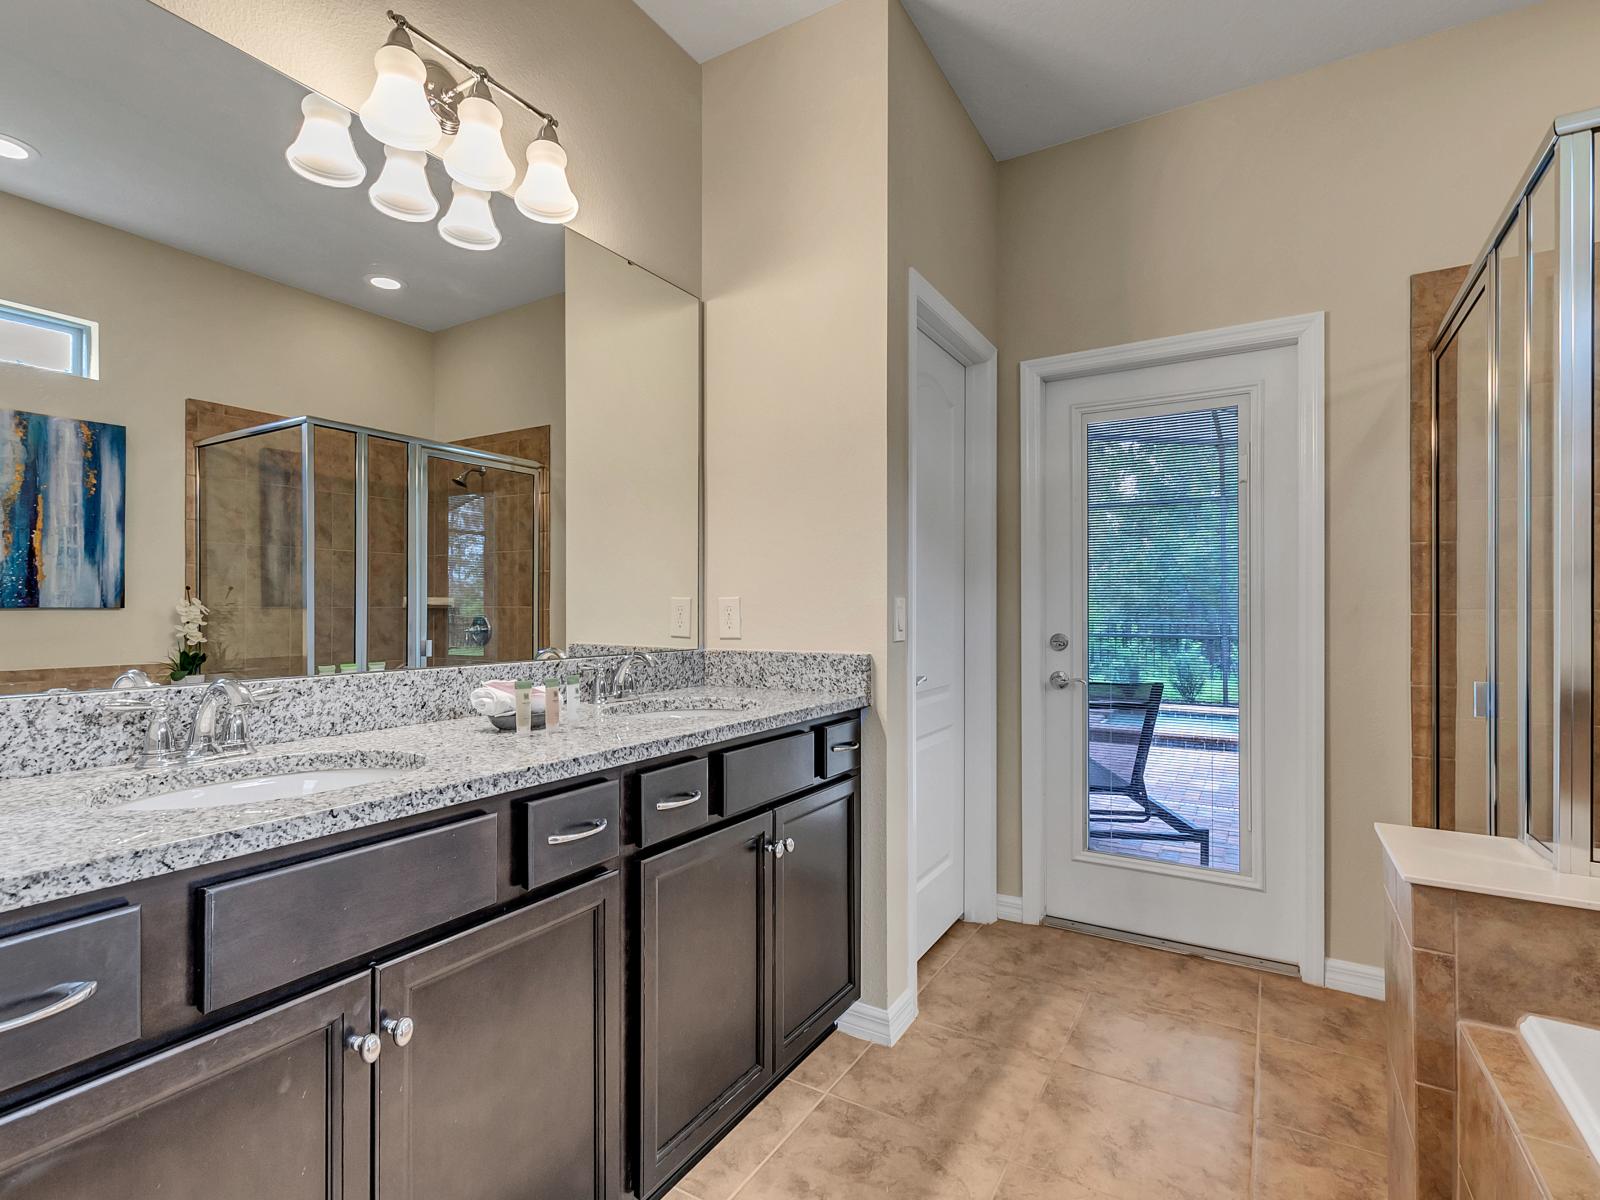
pixel 552 702
pixel 572 705
pixel 523 691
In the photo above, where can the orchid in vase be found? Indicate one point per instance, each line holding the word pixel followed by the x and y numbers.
pixel 191 630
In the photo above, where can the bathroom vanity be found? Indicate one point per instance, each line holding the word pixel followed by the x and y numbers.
pixel 551 966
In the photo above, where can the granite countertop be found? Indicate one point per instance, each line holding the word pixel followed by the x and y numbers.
pixel 1491 866
pixel 62 835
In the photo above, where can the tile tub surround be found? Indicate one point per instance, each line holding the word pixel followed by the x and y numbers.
pixel 1474 935
pixel 42 735
pixel 60 837
pixel 1517 1141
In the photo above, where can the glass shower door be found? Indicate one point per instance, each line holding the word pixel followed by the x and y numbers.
pixel 478 561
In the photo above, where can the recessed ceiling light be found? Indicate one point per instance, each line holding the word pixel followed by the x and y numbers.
pixel 385 282
pixel 15 148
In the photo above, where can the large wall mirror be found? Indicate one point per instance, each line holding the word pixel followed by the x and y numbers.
pixel 361 445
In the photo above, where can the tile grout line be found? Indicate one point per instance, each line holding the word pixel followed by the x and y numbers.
pixel 756 1170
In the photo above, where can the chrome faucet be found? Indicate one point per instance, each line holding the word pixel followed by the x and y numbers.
pixel 618 679
pixel 219 729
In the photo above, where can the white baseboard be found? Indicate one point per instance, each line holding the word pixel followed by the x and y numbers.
pixel 1008 908
pixel 883 1026
pixel 1359 979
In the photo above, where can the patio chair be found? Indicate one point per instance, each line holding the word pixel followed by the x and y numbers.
pixel 1118 752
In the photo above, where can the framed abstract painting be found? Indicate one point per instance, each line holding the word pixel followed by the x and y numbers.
pixel 62 494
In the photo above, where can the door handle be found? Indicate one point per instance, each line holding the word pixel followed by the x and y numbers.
pixel 921 679
pixel 1060 679
pixel 682 800
pixel 593 827
pixel 843 747
pixel 55 1001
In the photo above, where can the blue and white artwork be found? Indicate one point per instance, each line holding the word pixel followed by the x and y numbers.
pixel 61 512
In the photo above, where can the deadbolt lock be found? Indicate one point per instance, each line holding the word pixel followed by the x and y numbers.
pixel 1058 641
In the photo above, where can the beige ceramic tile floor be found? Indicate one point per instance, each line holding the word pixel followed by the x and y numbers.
pixel 1047 1065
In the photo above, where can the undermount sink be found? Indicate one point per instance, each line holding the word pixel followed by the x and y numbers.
pixel 678 707
pixel 245 782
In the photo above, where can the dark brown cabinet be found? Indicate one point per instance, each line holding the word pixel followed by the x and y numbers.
pixel 509 1081
pixel 816 906
pixel 705 1043
pixel 749 952
pixel 277 1105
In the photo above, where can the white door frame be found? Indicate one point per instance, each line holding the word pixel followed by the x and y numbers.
pixel 930 313
pixel 1306 334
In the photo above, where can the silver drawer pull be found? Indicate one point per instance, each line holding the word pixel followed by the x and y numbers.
pixel 594 827
pixel 56 1001
pixel 681 800
pixel 842 747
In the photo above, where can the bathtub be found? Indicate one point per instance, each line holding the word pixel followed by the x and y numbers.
pixel 1570 1056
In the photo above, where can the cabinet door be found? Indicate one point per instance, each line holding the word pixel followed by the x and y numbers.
pixel 276 1105
pixel 510 1084
pixel 705 1043
pixel 817 917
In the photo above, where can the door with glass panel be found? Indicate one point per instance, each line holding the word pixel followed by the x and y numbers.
pixel 1170 591
pixel 478 570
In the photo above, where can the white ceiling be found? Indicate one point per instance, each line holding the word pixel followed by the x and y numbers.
pixel 1035 73
pixel 149 125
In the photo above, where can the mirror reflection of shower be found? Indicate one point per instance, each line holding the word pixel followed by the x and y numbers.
pixel 479 470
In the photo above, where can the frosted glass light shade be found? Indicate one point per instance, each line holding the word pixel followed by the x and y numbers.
pixel 322 151
pixel 468 222
pixel 477 157
pixel 401 190
pixel 397 112
pixel 545 194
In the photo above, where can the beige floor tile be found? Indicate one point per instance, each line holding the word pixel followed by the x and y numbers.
pixel 948 1083
pixel 1021 1183
pixel 1125 1140
pixel 718 1175
pixel 1037 952
pixel 1182 983
pixel 1004 1009
pixel 1289 1163
pixel 1198 1060
pixel 826 1065
pixel 847 1152
pixel 1321 1017
pixel 1341 1097
pixel 941 952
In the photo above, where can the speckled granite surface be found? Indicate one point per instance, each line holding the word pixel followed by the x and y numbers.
pixel 61 834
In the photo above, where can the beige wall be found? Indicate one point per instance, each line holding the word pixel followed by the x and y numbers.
pixel 174 326
pixel 632 490
pixel 796 440
pixel 1323 191
pixel 627 97
pixel 508 371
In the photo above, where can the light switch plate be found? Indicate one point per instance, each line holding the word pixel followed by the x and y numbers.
pixel 681 619
pixel 899 618
pixel 728 620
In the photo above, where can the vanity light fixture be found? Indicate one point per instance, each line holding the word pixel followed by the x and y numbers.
pixel 15 148
pixel 414 105
pixel 323 151
pixel 385 283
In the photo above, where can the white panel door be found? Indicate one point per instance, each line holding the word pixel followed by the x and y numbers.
pixel 937 653
pixel 1170 714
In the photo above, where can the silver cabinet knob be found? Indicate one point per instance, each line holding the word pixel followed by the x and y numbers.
pixel 788 844
pixel 1060 679
pixel 400 1029
pixel 777 848
pixel 368 1045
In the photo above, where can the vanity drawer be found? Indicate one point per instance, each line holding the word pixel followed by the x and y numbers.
pixel 571 831
pixel 839 748
pixel 673 800
pixel 752 775
pixel 68 992
pixel 266 930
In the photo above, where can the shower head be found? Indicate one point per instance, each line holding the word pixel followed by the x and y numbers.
pixel 479 470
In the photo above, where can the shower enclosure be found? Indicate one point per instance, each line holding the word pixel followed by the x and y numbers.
pixel 326 547
pixel 1513 375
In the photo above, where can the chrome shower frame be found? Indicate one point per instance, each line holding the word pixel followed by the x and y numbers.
pixel 419 453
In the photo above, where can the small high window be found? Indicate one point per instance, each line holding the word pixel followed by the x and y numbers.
pixel 33 337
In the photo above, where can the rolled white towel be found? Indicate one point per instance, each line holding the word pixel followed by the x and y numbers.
pixel 497 698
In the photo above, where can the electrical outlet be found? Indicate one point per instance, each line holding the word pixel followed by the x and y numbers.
pixel 682 616
pixel 728 620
